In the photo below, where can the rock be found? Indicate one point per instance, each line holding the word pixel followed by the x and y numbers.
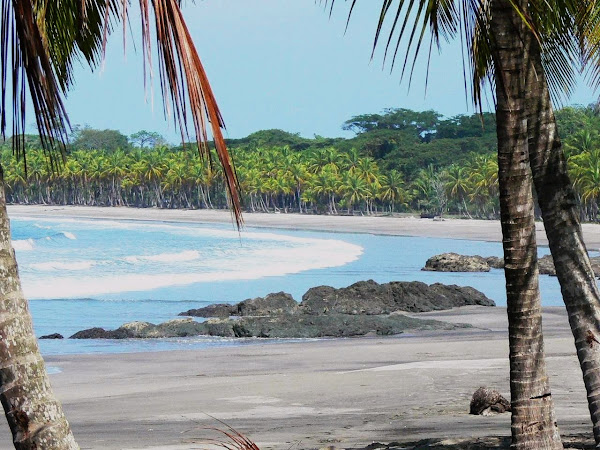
pixel 453 262
pixel 278 326
pixel 218 310
pixel 101 333
pixel 546 265
pixel 277 303
pixel 364 308
pixel 272 304
pixel 495 262
pixel 372 298
pixel 486 402
pixel 364 297
pixel 52 336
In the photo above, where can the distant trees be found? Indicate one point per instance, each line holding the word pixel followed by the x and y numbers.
pixel 88 138
pixel 148 139
pixel 454 172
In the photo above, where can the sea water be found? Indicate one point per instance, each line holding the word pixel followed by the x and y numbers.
pixel 84 273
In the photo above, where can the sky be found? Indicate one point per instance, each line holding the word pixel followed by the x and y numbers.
pixel 274 64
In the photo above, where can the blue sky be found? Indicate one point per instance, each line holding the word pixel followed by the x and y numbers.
pixel 274 64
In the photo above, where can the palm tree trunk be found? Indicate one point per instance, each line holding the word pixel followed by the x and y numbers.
pixel 560 212
pixel 34 415
pixel 533 423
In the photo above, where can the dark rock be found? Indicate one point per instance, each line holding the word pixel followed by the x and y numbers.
pixel 488 401
pixel 52 336
pixel 101 333
pixel 272 304
pixel 453 262
pixel 278 326
pixel 364 297
pixel 217 310
pixel 371 298
pixel 277 303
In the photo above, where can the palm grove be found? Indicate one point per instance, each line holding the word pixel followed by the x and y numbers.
pixel 512 44
pixel 400 161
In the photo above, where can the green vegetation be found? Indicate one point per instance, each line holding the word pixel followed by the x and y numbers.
pixel 400 160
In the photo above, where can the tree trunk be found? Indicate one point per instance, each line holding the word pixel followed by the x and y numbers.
pixel 34 415
pixel 560 212
pixel 533 423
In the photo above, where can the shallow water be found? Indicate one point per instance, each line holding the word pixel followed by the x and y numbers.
pixel 84 273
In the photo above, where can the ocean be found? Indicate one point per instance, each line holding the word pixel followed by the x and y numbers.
pixel 79 274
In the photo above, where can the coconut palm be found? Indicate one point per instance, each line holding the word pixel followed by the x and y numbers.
pixel 39 43
pixel 507 38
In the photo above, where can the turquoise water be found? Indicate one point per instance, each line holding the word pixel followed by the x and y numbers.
pixel 83 273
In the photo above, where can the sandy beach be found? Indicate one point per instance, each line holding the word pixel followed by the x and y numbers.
pixel 345 393
pixel 477 230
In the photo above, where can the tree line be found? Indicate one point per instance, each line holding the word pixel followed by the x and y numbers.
pixel 398 162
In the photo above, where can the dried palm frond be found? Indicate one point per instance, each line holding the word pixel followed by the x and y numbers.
pixel 41 39
pixel 233 440
pixel 181 73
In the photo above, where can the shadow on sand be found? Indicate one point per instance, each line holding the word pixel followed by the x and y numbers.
pixel 496 442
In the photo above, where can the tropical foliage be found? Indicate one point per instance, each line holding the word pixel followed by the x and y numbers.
pixel 433 166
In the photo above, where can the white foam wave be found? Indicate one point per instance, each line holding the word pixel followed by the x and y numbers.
pixel 59 265
pixel 23 245
pixel 187 255
pixel 253 265
pixel 69 235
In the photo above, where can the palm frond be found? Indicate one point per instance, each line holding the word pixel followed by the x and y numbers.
pixel 182 74
pixel 24 55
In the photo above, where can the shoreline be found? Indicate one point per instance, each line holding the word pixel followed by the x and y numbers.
pixel 469 229
pixel 343 392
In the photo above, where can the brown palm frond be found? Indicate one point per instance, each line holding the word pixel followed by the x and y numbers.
pixel 182 75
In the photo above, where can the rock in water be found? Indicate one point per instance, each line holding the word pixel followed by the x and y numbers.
pixel 372 298
pixel 217 310
pixel 495 262
pixel 101 333
pixel 272 304
pixel 453 262
pixel 52 336
pixel 488 401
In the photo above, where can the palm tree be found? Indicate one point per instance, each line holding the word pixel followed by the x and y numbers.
pixel 457 184
pixel 392 188
pixel 43 40
pixel 501 45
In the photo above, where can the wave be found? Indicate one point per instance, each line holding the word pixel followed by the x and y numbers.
pixel 186 255
pixel 29 244
pixel 23 245
pixel 59 265
pixel 273 262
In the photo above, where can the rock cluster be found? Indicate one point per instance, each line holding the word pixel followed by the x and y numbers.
pixel 453 262
pixel 366 307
